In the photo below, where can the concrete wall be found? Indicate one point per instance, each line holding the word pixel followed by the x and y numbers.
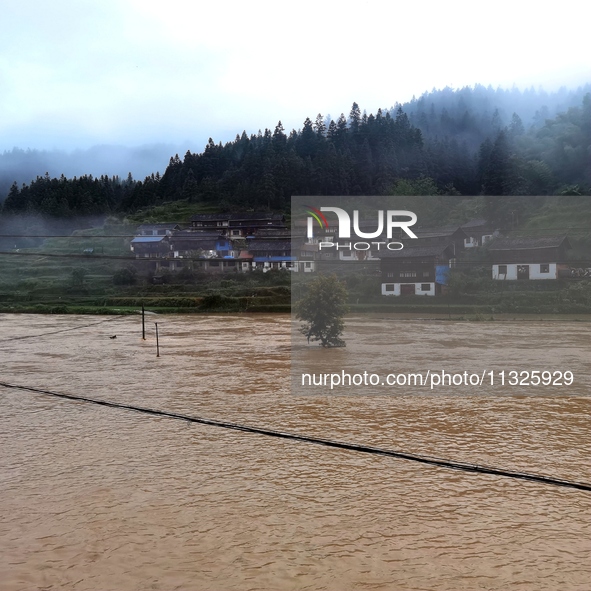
pixel 534 272
pixel 417 286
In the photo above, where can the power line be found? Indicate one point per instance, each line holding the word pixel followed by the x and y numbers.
pixel 43 334
pixel 466 467
pixel 75 256
pixel 185 259
pixel 527 231
pixel 66 236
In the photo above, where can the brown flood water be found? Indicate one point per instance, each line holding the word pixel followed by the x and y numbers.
pixel 95 498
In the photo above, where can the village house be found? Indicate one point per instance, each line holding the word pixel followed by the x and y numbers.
pixel 442 236
pixel 478 232
pixel 528 258
pixel 271 254
pixel 250 241
pixel 238 225
pixel 150 246
pixel 273 233
pixel 305 249
pixel 415 270
pixel 343 249
pixel 188 243
pixel 157 229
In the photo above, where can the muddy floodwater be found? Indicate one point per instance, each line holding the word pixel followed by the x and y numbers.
pixel 100 498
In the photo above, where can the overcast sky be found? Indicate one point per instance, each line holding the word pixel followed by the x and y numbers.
pixel 74 73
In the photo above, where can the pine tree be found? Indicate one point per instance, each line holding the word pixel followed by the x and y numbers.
pixel 498 171
pixel 319 126
pixel 355 118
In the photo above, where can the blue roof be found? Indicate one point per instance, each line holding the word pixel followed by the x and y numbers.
pixel 147 239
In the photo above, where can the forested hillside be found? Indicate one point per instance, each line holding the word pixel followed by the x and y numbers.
pixel 24 165
pixel 467 142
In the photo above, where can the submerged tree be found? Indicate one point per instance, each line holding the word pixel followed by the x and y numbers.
pixel 322 310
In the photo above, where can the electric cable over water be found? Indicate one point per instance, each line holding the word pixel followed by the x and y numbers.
pixel 466 467
pixel 43 334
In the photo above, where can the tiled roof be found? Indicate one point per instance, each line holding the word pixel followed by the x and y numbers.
pixel 159 226
pixel 475 223
pixel 184 244
pixel 413 251
pixel 250 216
pixel 268 245
pixel 196 235
pixel 430 232
pixel 528 242
pixel 273 259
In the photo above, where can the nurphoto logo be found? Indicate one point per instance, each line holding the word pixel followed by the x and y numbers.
pixel 389 219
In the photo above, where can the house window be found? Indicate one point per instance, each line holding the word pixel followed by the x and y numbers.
pixel 486 238
pixel 408 274
pixel 214 263
pixel 502 269
pixel 390 274
pixel 544 268
pixel 235 232
pixel 425 287
pixel 308 265
pixel 388 287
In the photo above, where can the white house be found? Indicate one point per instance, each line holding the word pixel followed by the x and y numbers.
pixel 528 258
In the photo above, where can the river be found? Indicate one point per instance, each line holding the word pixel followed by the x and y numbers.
pixel 98 498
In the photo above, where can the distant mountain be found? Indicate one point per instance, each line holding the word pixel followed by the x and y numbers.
pixel 23 166
pixel 474 141
pixel 470 115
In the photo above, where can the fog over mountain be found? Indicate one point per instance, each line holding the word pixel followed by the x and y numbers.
pixel 472 114
pixel 469 115
pixel 24 165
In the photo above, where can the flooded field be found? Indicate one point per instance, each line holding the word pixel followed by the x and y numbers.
pixel 94 498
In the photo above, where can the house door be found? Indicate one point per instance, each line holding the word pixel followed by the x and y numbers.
pixel 407 289
pixel 522 271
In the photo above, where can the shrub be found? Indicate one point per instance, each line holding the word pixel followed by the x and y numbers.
pixel 125 276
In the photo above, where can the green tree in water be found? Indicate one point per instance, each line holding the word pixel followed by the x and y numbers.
pixel 322 310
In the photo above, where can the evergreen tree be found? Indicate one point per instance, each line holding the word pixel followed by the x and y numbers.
pixel 319 126
pixel 355 118
pixel 496 177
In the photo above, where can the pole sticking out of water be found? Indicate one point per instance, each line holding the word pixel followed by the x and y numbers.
pixel 157 343
pixel 143 323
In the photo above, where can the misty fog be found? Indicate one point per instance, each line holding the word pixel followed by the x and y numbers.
pixel 24 164
pixel 469 115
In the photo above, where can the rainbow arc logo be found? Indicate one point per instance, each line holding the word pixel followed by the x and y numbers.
pixel 318 216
